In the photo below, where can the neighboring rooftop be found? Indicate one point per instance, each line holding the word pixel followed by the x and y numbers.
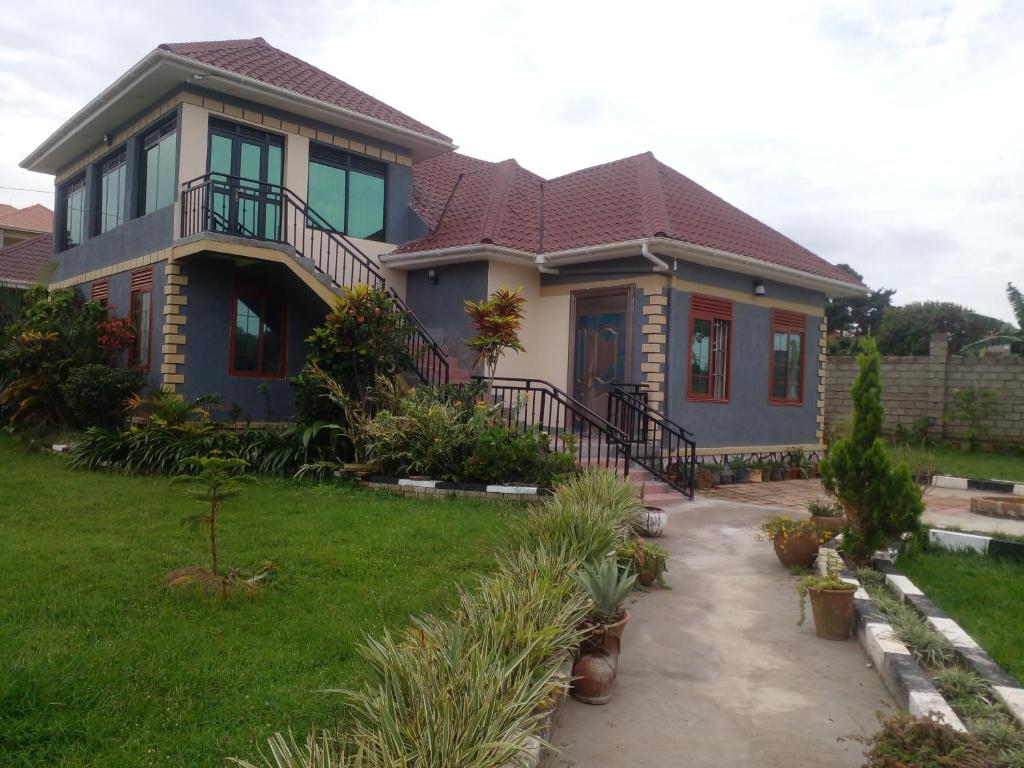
pixel 258 59
pixel 34 218
pixel 26 262
pixel 466 201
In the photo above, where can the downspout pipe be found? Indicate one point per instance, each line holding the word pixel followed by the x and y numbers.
pixel 659 265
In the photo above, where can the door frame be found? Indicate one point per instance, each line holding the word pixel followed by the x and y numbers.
pixel 626 288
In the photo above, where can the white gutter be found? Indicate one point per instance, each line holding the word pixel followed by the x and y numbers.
pixel 698 254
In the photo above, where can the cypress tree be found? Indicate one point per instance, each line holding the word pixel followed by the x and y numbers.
pixel 881 501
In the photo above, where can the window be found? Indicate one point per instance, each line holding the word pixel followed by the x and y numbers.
pixel 101 292
pixel 258 334
pixel 787 363
pixel 112 176
pixel 158 169
pixel 347 192
pixel 74 212
pixel 141 316
pixel 710 334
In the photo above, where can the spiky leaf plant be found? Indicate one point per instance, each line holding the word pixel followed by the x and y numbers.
pixel 608 586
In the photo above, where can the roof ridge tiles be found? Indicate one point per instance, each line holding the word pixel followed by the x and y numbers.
pixel 652 195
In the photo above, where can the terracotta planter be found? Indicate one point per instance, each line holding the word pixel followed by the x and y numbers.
pixel 832 525
pixel 706 479
pixel 778 473
pixel 598 663
pixel 833 612
pixel 792 473
pixel 651 522
pixel 649 573
pixel 755 476
pixel 800 550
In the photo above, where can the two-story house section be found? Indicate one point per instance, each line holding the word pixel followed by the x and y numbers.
pixel 220 194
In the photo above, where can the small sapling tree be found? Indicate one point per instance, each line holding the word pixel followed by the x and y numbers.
pixel 881 501
pixel 497 321
pixel 216 478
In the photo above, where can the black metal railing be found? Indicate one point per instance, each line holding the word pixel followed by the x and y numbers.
pixel 571 425
pixel 657 443
pixel 233 205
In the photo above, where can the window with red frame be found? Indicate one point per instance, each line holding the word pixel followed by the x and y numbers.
pixel 141 315
pixel 710 337
pixel 258 334
pixel 787 363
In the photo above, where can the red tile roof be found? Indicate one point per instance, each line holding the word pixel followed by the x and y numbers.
pixel 466 201
pixel 257 59
pixel 34 218
pixel 5 208
pixel 27 261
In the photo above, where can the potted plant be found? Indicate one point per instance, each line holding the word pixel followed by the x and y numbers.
pixel 828 517
pixel 650 522
pixel 740 469
pixel 796 542
pixel 778 470
pixel 725 476
pixel 647 560
pixel 607 585
pixel 831 604
pixel 706 478
pixel 795 461
pixel 757 469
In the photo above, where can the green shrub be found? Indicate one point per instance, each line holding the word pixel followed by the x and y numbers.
pixel 96 394
pixel 882 502
pixel 911 742
pixel 503 455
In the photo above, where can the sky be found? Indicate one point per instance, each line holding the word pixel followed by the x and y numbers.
pixel 886 135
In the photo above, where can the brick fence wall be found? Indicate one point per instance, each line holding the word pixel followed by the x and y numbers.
pixel 913 387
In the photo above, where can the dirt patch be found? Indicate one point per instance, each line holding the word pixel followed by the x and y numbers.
pixel 195 576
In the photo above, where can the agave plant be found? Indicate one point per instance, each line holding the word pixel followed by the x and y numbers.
pixel 608 585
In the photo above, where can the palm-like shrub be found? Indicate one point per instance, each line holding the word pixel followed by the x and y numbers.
pixel 607 585
pixel 497 321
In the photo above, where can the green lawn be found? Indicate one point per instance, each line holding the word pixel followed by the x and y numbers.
pixel 982 594
pixel 981 465
pixel 102 666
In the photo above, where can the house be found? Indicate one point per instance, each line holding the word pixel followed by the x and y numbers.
pixel 18 224
pixel 223 192
pixel 22 265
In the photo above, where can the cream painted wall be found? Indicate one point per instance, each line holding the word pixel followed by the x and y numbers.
pixel 545 331
pixel 193 141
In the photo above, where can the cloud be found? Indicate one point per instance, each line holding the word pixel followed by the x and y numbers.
pixel 886 135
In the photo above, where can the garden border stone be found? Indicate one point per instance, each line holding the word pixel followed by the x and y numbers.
pixel 441 489
pixel 977 484
pixel 1005 687
pixel 976 542
pixel 900 672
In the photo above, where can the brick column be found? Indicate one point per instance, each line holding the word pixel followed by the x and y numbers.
pixel 653 363
pixel 173 348
pixel 938 361
pixel 822 374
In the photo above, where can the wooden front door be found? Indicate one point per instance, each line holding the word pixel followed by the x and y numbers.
pixel 600 346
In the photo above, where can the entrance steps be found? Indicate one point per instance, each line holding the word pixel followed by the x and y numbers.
pixel 656 493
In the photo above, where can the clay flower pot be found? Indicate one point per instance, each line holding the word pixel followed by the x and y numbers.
pixel 830 525
pixel 796 549
pixel 651 522
pixel 598 663
pixel 833 612
pixel 755 475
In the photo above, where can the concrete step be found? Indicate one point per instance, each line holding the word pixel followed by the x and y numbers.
pixel 659 499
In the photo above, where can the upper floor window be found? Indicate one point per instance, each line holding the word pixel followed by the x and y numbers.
pixel 710 336
pixel 158 169
pixel 74 212
pixel 258 334
pixel 112 182
pixel 347 191
pixel 787 363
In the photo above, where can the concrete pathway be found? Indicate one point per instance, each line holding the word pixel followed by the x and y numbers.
pixel 943 506
pixel 715 672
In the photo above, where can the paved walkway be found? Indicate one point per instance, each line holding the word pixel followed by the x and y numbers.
pixel 943 506
pixel 715 672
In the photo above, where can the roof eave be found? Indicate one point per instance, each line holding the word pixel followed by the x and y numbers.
pixel 660 246
pixel 43 158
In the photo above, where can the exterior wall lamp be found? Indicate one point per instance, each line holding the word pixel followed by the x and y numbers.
pixel 432 276
pixel 759 289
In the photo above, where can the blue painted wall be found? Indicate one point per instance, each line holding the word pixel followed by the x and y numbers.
pixel 441 307
pixel 211 284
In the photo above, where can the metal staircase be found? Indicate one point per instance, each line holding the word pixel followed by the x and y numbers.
pixel 631 434
pixel 233 205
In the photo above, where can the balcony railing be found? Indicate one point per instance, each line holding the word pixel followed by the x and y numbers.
pixel 256 210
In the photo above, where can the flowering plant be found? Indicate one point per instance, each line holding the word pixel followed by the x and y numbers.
pixel 115 335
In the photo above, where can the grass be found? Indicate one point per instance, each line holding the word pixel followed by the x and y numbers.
pixel 946 460
pixel 982 594
pixel 102 666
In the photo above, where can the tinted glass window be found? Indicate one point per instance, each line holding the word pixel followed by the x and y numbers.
pixel 74 212
pixel 158 168
pixel 112 180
